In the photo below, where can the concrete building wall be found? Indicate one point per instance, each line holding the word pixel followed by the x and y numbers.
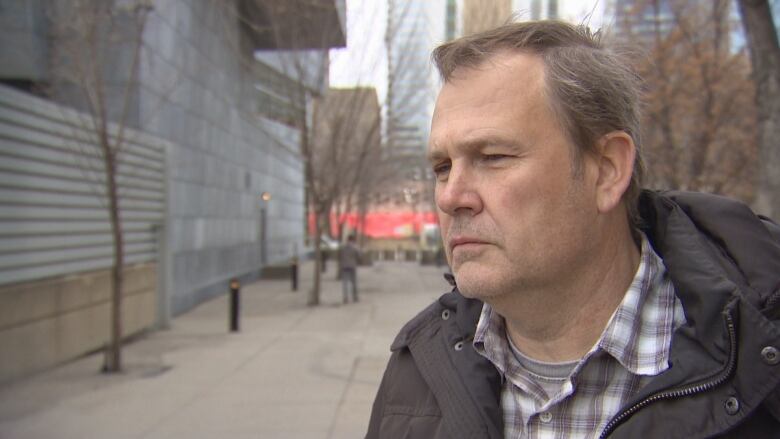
pixel 198 91
pixel 55 237
pixel 24 52
pixel 44 323
pixel 479 15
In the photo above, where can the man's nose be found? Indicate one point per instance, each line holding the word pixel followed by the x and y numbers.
pixel 458 194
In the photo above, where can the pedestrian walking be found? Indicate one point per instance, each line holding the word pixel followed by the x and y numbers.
pixel 349 259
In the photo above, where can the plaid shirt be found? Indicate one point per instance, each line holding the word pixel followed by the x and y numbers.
pixel 633 347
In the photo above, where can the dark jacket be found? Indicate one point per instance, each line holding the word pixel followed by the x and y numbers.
pixel 349 256
pixel 724 378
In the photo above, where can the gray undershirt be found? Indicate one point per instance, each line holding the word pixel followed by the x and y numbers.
pixel 550 376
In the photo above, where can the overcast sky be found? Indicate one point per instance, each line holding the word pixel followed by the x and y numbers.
pixel 363 61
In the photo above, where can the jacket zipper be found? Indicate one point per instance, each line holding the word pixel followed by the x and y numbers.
pixel 685 391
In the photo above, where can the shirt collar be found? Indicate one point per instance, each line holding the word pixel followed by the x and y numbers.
pixel 490 338
pixel 639 333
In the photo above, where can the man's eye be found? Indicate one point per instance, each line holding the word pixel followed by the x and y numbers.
pixel 441 170
pixel 494 157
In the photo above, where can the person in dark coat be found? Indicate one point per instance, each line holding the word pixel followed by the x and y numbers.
pixel 581 305
pixel 349 259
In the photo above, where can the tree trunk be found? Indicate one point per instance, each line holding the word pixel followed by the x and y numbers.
pixel 327 227
pixel 314 293
pixel 114 357
pixel 765 59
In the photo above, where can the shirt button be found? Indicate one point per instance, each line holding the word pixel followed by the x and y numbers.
pixel 545 417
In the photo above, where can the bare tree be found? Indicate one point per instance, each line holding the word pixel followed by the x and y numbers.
pixel 298 74
pixel 342 165
pixel 292 71
pixel 307 70
pixel 765 60
pixel 347 150
pixel 91 38
pixel 698 128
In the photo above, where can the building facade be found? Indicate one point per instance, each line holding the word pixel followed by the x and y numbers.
pixel 413 30
pixel 205 141
pixel 479 15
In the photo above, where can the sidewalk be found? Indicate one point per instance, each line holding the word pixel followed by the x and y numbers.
pixel 292 372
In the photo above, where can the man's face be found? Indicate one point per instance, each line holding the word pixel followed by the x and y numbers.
pixel 513 216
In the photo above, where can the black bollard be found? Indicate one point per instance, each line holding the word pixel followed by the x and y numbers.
pixel 235 288
pixel 294 273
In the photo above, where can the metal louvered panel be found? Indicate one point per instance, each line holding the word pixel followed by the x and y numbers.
pixel 53 215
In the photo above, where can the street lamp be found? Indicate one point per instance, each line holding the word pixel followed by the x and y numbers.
pixel 265 197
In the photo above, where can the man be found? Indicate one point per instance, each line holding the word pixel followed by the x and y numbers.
pixel 582 308
pixel 349 258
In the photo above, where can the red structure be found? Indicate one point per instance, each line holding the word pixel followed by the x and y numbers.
pixel 401 224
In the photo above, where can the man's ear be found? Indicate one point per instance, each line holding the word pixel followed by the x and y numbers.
pixel 616 154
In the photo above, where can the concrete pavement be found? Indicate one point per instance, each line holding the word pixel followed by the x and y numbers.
pixel 292 372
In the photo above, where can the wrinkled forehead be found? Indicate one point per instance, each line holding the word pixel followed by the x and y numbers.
pixel 519 74
pixel 508 84
pixel 498 83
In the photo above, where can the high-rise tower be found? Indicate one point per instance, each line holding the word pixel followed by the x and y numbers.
pixel 413 29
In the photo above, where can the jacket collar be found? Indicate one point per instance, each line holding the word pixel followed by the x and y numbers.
pixel 734 243
pixel 705 243
pixel 715 250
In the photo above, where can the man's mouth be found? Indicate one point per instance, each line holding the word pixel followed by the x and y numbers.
pixel 465 242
